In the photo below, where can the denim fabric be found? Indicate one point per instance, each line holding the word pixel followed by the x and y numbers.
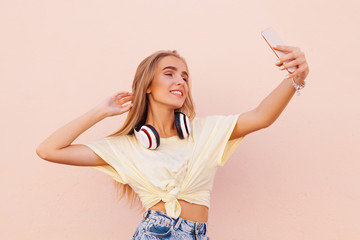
pixel 157 225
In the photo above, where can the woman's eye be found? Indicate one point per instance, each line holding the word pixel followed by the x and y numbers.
pixel 170 74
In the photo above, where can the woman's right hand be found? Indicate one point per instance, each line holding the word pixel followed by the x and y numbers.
pixel 116 104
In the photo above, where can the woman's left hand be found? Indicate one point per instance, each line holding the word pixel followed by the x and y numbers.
pixel 296 58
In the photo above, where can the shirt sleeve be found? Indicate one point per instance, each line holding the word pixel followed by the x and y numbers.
pixel 213 133
pixel 104 149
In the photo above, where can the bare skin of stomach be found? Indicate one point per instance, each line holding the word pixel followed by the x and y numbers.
pixel 189 211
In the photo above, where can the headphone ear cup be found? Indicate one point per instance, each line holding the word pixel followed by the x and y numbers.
pixel 148 136
pixel 182 124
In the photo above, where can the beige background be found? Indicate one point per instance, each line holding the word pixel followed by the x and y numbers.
pixel 298 179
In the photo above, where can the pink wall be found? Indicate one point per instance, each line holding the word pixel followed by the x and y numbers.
pixel 298 179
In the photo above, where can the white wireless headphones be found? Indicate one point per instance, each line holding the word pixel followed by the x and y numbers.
pixel 149 137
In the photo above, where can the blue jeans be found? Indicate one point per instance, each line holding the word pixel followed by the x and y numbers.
pixel 157 225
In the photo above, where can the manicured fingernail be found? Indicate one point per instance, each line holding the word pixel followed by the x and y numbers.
pixel 277 62
pixel 282 67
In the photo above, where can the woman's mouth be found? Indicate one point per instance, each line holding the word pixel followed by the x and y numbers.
pixel 177 92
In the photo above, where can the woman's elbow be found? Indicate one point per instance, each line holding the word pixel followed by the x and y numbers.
pixel 42 153
pixel 267 123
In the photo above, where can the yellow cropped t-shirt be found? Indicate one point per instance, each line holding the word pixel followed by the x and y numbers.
pixel 177 169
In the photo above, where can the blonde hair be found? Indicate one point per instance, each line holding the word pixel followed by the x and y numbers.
pixel 144 76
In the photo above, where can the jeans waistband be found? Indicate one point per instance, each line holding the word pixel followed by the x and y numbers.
pixel 184 224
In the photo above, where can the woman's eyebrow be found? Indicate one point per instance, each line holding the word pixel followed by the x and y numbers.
pixel 175 69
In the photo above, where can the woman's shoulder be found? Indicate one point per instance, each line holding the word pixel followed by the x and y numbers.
pixel 122 137
pixel 118 143
pixel 213 118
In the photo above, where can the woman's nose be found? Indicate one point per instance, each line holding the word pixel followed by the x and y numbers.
pixel 180 81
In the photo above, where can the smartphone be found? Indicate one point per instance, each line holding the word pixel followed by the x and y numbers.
pixel 273 39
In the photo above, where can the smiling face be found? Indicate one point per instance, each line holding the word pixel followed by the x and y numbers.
pixel 169 87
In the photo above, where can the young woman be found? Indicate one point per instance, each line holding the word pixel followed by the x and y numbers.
pixel 170 162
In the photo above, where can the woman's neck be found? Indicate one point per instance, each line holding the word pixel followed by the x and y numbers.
pixel 163 121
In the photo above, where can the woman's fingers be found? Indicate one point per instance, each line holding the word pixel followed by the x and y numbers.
pixel 122 94
pixel 295 63
pixel 290 56
pixel 123 100
pixel 293 57
pixel 302 72
pixel 285 48
pixel 118 103
pixel 126 108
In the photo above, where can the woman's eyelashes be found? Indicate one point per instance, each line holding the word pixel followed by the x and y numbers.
pixel 170 74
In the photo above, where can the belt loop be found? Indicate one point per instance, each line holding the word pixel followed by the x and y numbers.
pixel 177 224
pixel 196 230
pixel 146 214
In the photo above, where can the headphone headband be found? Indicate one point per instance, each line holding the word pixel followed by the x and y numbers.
pixel 149 137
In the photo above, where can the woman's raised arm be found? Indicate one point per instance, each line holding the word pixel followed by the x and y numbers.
pixel 58 148
pixel 271 107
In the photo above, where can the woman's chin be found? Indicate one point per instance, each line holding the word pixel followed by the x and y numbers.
pixel 179 105
pixel 170 104
pixel 176 104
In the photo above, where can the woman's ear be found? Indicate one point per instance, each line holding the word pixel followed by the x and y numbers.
pixel 148 90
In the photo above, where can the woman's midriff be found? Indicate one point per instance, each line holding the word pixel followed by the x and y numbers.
pixel 189 211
